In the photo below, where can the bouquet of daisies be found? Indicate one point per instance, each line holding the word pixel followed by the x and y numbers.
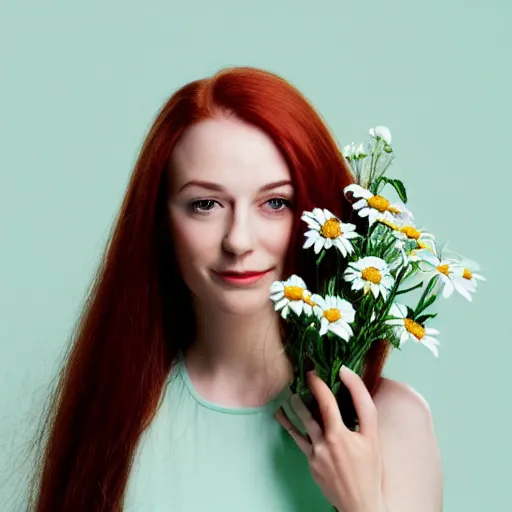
pixel 363 273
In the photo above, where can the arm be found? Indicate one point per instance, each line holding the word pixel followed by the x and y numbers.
pixel 411 459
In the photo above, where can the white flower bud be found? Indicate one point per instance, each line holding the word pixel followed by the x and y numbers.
pixel 381 132
pixel 359 151
pixel 347 151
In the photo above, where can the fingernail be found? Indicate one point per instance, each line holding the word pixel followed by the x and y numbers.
pixel 343 370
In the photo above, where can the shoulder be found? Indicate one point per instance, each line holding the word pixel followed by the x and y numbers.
pixel 402 412
pixel 394 398
pixel 410 453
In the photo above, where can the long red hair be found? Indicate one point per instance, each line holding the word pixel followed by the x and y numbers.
pixel 130 330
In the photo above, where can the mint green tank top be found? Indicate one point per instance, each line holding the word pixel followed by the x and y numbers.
pixel 199 456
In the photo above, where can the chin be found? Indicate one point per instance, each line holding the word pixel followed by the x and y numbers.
pixel 243 304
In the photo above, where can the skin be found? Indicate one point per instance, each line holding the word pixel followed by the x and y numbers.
pixel 393 463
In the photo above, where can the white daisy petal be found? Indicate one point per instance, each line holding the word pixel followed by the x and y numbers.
pixel 373 214
pixel 359 204
pixel 277 286
pixel 281 304
pixel 296 306
pixel 309 242
pixel 431 344
pixel 462 290
pixel 448 288
pixel 337 329
pixel 318 245
pixel 339 245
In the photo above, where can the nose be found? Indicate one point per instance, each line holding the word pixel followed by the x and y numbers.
pixel 239 237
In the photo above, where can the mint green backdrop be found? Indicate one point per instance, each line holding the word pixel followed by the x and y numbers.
pixel 82 81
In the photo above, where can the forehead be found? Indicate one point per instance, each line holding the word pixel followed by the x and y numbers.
pixel 229 152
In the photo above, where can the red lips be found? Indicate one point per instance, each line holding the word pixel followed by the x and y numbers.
pixel 236 278
pixel 249 273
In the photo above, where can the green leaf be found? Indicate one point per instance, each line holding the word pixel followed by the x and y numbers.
pixel 419 285
pixel 335 372
pixel 423 318
pixel 425 305
pixel 398 186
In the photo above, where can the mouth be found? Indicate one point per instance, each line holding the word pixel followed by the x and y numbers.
pixel 241 278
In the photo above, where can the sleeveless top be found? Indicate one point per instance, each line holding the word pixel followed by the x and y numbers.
pixel 199 456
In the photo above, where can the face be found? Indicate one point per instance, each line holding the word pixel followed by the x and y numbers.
pixel 230 209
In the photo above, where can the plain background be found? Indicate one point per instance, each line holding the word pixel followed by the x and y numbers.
pixel 81 83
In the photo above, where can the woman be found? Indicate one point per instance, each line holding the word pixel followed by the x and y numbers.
pixel 168 394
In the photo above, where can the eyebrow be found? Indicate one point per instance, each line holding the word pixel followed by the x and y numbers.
pixel 219 188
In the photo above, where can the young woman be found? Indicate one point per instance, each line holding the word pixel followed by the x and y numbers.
pixel 167 398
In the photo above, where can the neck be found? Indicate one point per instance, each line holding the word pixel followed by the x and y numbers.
pixel 238 358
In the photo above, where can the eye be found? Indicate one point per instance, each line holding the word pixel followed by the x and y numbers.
pixel 278 203
pixel 202 205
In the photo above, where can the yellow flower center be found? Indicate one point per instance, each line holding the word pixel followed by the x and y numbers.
pixel 389 224
pixel 378 203
pixel 443 269
pixel 414 328
pixel 467 274
pixel 293 292
pixel 331 229
pixel 381 204
pixel 332 314
pixel 411 232
pixel 307 299
pixel 371 274
pixel 422 245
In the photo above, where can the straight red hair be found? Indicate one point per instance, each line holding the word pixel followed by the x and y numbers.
pixel 131 327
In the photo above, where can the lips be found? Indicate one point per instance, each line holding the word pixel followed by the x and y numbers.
pixel 249 273
pixel 237 278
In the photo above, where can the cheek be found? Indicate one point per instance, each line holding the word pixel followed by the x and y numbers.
pixel 194 245
pixel 277 238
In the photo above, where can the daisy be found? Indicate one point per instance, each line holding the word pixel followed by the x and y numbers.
pixel 377 207
pixel 408 232
pixel 370 274
pixel 405 234
pixel 406 328
pixel 381 132
pixel 326 231
pixel 291 294
pixel 466 280
pixel 335 315
pixel 467 276
pixel 449 271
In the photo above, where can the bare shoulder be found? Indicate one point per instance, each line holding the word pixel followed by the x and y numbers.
pixel 394 397
pixel 404 416
pixel 410 453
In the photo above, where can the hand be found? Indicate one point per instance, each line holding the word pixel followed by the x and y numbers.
pixel 346 465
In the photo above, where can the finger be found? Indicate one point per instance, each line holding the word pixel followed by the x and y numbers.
pixel 329 410
pixel 312 427
pixel 363 402
pixel 301 441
